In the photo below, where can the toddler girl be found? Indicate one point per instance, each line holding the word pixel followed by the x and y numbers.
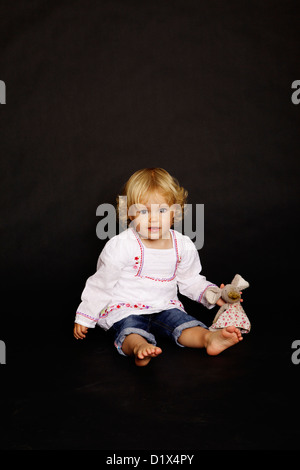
pixel 139 272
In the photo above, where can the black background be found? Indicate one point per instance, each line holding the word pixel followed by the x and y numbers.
pixel 94 92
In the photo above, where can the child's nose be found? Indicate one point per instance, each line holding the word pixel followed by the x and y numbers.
pixel 153 216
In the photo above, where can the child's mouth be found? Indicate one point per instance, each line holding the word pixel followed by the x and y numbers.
pixel 153 229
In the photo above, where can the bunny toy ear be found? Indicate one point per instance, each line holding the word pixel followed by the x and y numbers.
pixel 213 294
pixel 239 282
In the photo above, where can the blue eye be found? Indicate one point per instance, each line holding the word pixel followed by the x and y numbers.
pixel 163 210
pixel 143 211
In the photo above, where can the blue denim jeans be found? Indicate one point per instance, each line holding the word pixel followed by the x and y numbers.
pixel 168 323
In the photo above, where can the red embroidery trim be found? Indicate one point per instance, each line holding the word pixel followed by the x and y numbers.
pixel 138 274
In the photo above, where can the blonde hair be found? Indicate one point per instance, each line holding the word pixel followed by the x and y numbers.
pixel 146 181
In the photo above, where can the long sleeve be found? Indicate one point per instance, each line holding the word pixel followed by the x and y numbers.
pixel 189 280
pixel 98 289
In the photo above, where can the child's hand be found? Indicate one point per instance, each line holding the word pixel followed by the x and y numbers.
pixel 221 302
pixel 80 331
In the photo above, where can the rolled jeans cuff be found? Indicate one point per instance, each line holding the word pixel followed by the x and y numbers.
pixel 190 324
pixel 127 331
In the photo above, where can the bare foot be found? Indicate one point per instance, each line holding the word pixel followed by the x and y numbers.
pixel 222 339
pixel 144 352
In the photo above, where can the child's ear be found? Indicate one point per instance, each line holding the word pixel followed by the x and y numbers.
pixel 132 212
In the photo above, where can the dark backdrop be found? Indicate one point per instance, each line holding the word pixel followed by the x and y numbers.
pixel 98 89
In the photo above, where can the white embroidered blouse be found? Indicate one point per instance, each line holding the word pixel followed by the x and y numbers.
pixel 134 279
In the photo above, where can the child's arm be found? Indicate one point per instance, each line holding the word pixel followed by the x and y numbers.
pixel 80 331
pixel 189 280
pixel 99 287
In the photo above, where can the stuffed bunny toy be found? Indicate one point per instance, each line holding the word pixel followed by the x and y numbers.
pixel 231 313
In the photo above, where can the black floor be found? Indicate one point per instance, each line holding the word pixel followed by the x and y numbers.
pixel 65 394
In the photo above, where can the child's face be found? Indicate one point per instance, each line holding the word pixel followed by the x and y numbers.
pixel 153 218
